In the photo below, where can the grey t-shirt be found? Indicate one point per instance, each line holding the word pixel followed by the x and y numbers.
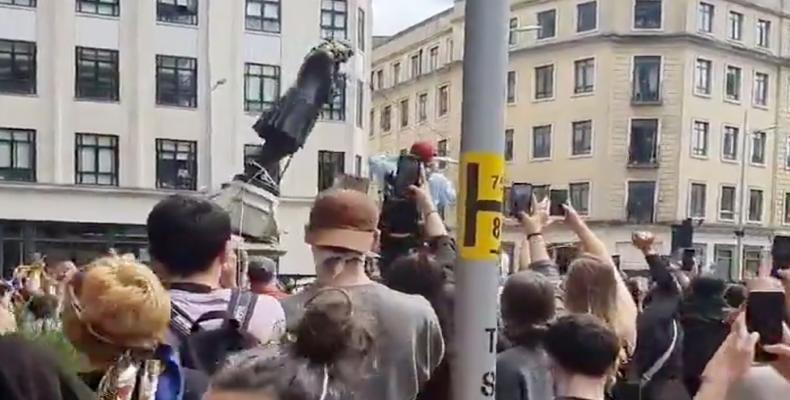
pixel 523 374
pixel 409 343
pixel 267 322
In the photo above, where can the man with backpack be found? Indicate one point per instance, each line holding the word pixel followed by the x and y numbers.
pixel 189 242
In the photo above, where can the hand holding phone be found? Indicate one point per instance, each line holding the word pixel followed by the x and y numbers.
pixel 409 173
pixel 558 199
pixel 520 199
pixel 765 313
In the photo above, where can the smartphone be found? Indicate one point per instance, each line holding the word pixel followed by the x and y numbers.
pixel 409 168
pixel 765 312
pixel 520 199
pixel 687 263
pixel 558 198
pixel 780 251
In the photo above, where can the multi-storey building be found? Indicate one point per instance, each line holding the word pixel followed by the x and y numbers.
pixel 646 111
pixel 107 106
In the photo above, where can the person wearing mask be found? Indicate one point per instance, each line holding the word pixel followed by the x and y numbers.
pixel 189 241
pixel 261 272
pixel 326 360
pixel 116 314
pixel 341 231
pixel 583 352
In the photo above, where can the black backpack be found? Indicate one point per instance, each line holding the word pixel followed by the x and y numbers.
pixel 207 349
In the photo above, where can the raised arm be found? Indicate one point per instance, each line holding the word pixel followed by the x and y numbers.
pixel 538 255
pixel 659 269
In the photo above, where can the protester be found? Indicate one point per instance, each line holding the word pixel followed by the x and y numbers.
pixel 326 361
pixel 189 242
pixel 527 303
pixel 261 272
pixel 341 231
pixel 116 314
pixel 583 353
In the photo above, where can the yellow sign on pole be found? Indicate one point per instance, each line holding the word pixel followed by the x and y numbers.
pixel 480 206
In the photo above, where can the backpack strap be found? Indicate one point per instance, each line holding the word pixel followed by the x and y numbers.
pixel 180 322
pixel 648 375
pixel 241 307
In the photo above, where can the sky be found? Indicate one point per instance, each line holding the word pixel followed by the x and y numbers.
pixel 391 16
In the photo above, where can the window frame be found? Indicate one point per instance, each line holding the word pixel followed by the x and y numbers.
pixel 13 172
pixel 31 3
pixel 656 157
pixel 336 108
pixel 708 78
pixel 263 78
pixel 337 156
pixel 727 96
pixel 512 87
pixel 694 149
pixel 442 150
pixel 654 211
pixel 690 211
pixel 579 14
pixel 510 138
pixel 29 81
pixel 416 68
pixel 80 174
pixel 731 25
pixel 720 203
pixel 762 37
pixel 80 54
pixel 396 73
pixel 512 38
pixel 753 148
pixel 551 95
pixel 192 163
pixel 634 6
pixel 433 62
pixel 360 104
pixel 787 153
pixel 421 113
pixel 736 143
pixel 192 99
pixel 335 17
pixel 634 82
pixel 749 206
pixel 362 31
pixel 183 19
pixel 532 153
pixel 765 86
pixel 703 25
pixel 386 116
pixel 114 4
pixel 404 113
pixel 540 34
pixel 785 209
pixel 587 88
pixel 439 109
pixel 581 211
pixel 589 153
pixel 261 18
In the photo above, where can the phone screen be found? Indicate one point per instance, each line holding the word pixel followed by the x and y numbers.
pixel 408 174
pixel 520 199
pixel 688 259
pixel 781 254
pixel 765 313
pixel 558 198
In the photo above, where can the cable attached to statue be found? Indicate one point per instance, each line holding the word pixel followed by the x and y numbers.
pixel 286 127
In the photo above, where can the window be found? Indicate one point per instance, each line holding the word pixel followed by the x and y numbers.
pixel 433 58
pixel 729 146
pixel 404 113
pixel 705 17
pixel 17 67
pixel 97 74
pixel 787 208
pixel 17 155
pixel 582 138
pixel 544 82
pixel 758 148
pixel 702 77
pixel 511 87
pixel 787 153
pixel 263 15
pixel 579 194
pixel 763 33
pixel 540 192
pixel 416 64
pixel 372 126
pixel 647 79
pixel 509 144
pixel 444 100
pixel 334 19
pixel 100 7
pixel 541 142
pixel 643 149
pixel 360 104
pixel 751 260
pixel 733 84
pixel 450 50
pixel 395 74
pixel 251 166
pixel 358 165
pixel 755 205
pixel 177 11
pixel 176 81
pixel 584 76
pixel 335 108
pixel 380 79
pixel 700 253
pixel 176 164
pixel 647 14
pixel 587 16
pixel 641 202
pixel 441 151
pixel 760 89
pixel 727 203
pixel 96 159
pixel 547 20
pixel 512 38
pixel 507 191
pixel 386 119
pixel 699 139
pixel 724 257
pixel 330 165
pixel 422 107
pixel 361 32
pixel 261 86
pixel 735 31
pixel 25 3
pixel 697 200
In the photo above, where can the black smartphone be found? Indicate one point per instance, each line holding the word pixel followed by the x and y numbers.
pixel 558 198
pixel 409 168
pixel 687 263
pixel 780 251
pixel 520 199
pixel 765 312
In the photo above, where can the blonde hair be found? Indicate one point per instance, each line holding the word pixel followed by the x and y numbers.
pixel 591 288
pixel 114 306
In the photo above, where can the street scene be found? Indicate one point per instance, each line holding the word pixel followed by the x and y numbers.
pixel 394 199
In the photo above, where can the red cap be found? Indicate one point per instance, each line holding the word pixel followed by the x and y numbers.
pixel 423 149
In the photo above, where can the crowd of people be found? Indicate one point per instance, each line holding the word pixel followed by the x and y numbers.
pixel 182 329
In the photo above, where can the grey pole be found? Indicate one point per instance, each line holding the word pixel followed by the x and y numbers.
pixel 480 197
pixel 737 273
